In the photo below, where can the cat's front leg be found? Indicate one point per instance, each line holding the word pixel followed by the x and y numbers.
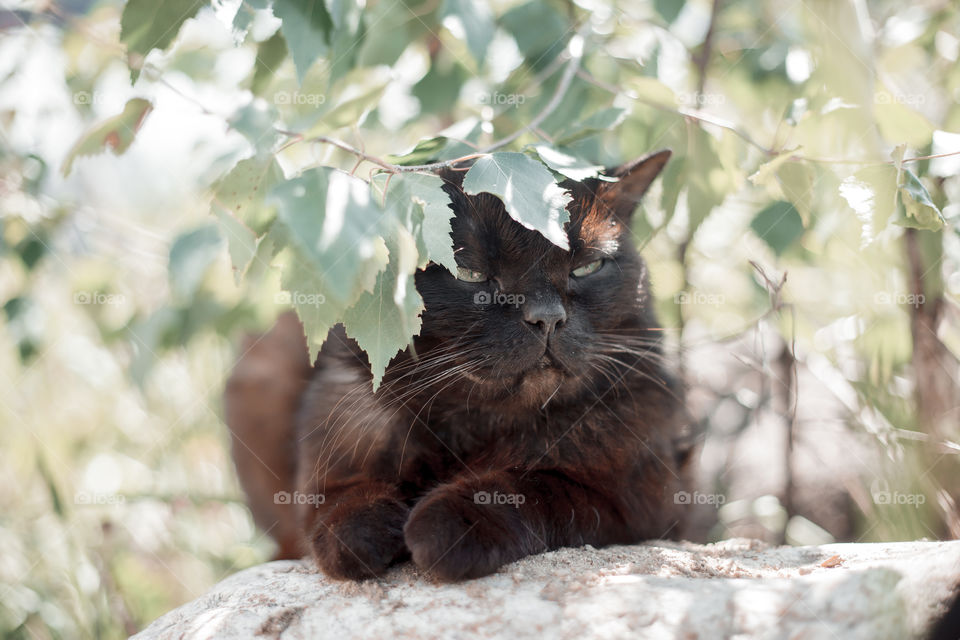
pixel 474 525
pixel 357 532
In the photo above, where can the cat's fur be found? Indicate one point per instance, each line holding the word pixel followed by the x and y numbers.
pixel 510 429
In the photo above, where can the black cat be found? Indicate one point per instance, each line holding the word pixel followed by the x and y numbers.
pixel 537 412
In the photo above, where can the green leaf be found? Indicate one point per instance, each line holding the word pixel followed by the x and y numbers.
pixel 241 242
pixel 796 180
pixel 472 19
pixel 439 90
pixel 673 178
pixel 707 180
pixel 779 225
pixel 425 151
pixel 602 120
pixel 898 123
pixel 765 173
pixel 921 212
pixel 147 24
pixel 530 194
pixel 669 9
pixel 384 320
pixel 356 95
pixel 256 121
pixel 334 221
pixel 413 193
pixel 463 137
pixel 305 288
pixel 651 90
pixel 389 33
pixel 306 26
pixel 566 163
pixel 115 134
pixel 270 53
pixel 540 31
pixel 243 190
pixel 872 194
pixel 347 38
pixel 792 181
pixel 191 254
pixel 244 18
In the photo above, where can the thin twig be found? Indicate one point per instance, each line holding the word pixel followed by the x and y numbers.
pixel 575 47
pixel 389 167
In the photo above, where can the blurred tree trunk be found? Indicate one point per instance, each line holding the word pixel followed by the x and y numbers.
pixel 936 391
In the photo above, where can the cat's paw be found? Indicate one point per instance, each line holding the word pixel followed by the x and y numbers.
pixel 452 536
pixel 360 541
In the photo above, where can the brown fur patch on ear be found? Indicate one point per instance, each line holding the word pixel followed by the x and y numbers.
pixel 621 197
pixel 598 230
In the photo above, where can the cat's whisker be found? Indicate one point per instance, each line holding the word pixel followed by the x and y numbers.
pixel 547 401
pixel 462 369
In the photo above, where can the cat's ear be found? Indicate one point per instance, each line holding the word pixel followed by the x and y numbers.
pixel 621 197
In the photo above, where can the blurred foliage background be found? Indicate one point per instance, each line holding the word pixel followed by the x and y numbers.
pixel 803 247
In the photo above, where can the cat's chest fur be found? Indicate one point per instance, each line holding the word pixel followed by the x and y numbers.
pixel 429 437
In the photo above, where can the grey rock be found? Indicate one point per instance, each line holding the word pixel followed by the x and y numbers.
pixel 733 589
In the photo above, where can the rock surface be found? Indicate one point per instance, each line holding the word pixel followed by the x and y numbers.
pixel 736 588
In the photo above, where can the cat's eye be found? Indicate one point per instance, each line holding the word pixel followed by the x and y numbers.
pixel 587 269
pixel 471 275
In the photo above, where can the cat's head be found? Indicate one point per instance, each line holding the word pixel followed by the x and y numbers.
pixel 528 322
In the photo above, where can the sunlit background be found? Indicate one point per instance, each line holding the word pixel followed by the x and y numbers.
pixel 829 400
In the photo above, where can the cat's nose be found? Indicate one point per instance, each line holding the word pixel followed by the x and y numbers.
pixel 547 315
